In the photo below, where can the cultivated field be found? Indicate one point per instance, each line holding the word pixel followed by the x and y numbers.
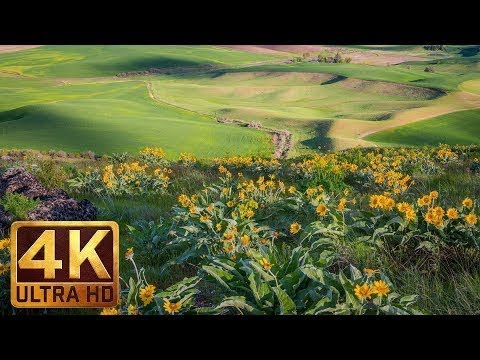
pixel 165 93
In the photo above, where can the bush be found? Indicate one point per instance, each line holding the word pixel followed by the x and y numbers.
pixel 429 69
pixel 18 205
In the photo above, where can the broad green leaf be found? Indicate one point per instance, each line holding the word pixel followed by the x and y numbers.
pixel 220 275
pixel 393 310
pixel 347 285
pixel 355 273
pixel 287 306
pixel 239 303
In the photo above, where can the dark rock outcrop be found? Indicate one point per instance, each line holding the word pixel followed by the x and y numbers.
pixel 20 181
pixel 54 204
pixel 63 209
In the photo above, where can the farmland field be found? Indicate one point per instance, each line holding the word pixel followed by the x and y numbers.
pixel 165 93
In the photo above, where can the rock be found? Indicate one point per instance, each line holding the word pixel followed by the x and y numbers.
pixel 5 221
pixel 63 209
pixel 18 180
pixel 62 154
pixel 54 204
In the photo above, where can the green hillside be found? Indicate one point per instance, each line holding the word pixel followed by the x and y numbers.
pixel 462 127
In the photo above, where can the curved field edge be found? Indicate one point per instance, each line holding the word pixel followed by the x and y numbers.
pixel 462 127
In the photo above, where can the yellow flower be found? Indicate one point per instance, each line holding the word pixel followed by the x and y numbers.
pixel 4 268
pixel 146 294
pixel 109 311
pixel 371 271
pixel 266 265
pixel 219 227
pixel 205 218
pixel 132 310
pixel 452 213
pixel 172 307
pixel 291 189
pixel 230 204
pixel 5 244
pixel 424 200
pixel 403 207
pixel 380 288
pixel 374 201
pixel 438 211
pixel 245 240
pixel 471 219
pixel 410 215
pixel 184 200
pixel 129 254
pixel 295 227
pixel 228 236
pixel 364 292
pixel 249 213
pixel 210 207
pixel 321 209
pixel 434 194
pixel 467 203
pixel 192 209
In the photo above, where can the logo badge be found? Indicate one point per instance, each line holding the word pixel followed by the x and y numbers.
pixel 64 264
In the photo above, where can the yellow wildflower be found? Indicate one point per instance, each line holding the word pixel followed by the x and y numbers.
pixel 380 288
pixel 109 311
pixel 321 209
pixel 172 307
pixel 132 310
pixel 471 219
pixel 245 240
pixel 467 203
pixel 129 254
pixel 364 292
pixel 295 227
pixel 266 265
pixel 146 294
pixel 452 213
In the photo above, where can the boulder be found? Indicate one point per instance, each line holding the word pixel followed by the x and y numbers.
pixel 18 180
pixel 63 209
pixel 54 204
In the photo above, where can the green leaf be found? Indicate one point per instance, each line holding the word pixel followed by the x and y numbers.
pixel 258 268
pixel 220 275
pixel 239 303
pixel 131 291
pixel 287 306
pixel 393 310
pixel 347 285
pixel 408 300
pixel 314 273
pixel 355 273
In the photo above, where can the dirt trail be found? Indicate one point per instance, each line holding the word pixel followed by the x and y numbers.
pixel 282 139
pixel 12 48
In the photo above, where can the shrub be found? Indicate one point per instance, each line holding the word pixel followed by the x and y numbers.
pixel 18 205
pixel 429 69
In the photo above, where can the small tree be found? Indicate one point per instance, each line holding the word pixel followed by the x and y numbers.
pixel 429 69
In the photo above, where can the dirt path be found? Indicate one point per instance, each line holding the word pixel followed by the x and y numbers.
pixel 13 48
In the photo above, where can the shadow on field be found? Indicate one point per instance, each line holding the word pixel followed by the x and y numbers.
pixel 145 63
pixel 334 80
pixel 321 139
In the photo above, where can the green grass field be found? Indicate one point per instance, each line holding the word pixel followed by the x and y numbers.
pixel 49 93
pixel 462 127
